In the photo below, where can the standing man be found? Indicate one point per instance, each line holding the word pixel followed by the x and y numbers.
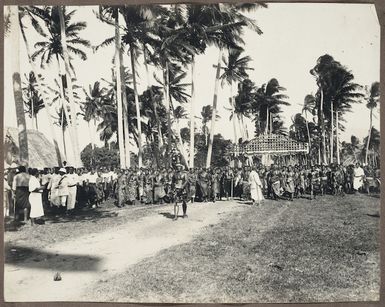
pixel 359 175
pixel 179 183
pixel 255 186
pixel 73 181
pixel 63 188
pixel 20 187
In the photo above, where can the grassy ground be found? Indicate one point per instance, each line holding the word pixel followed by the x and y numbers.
pixel 58 228
pixel 302 251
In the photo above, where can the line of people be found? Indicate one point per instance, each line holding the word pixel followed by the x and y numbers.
pixel 30 192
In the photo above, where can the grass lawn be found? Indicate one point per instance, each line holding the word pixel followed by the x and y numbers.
pixel 302 251
pixel 58 228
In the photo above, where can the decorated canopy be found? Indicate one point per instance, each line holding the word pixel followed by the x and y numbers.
pixel 273 144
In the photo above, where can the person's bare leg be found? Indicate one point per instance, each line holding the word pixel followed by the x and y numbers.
pixel 176 211
pixel 25 214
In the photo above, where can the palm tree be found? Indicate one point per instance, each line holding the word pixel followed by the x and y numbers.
pixel 308 107
pixel 268 101
pixel 374 145
pixel 62 39
pixel 180 113
pixel 340 93
pixel 244 102
pixel 34 14
pixel 138 21
pixel 110 14
pixel 95 98
pixel 234 68
pixel 32 98
pixel 230 38
pixel 14 33
pixel 169 47
pixel 62 122
pixel 373 99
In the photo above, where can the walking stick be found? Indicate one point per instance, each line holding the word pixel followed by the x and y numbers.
pixel 231 188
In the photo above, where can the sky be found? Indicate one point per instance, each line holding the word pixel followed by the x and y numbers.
pixel 294 36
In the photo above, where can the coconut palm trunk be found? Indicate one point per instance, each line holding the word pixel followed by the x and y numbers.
pixel 138 117
pixel 16 81
pixel 157 149
pixel 168 111
pixel 38 83
pixel 332 132
pixel 337 138
pixel 322 123
pixel 67 75
pixel 307 129
pixel 119 94
pixel 64 104
pixel 192 123
pixel 63 134
pixel 126 130
pixel 369 134
pixel 233 111
pixel 214 115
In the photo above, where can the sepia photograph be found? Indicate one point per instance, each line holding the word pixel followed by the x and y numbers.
pixel 191 153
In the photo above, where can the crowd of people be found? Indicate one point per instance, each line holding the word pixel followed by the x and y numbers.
pixel 30 192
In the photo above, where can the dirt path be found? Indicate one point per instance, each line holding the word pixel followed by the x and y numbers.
pixel 96 257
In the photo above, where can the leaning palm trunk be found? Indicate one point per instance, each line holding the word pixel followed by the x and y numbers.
pixel 337 138
pixel 119 94
pixel 64 104
pixel 332 133
pixel 322 122
pixel 127 155
pixel 192 123
pixel 157 148
pixel 370 132
pixel 214 115
pixel 168 110
pixel 46 106
pixel 233 111
pixel 63 135
pixel 70 88
pixel 307 129
pixel 138 117
pixel 17 92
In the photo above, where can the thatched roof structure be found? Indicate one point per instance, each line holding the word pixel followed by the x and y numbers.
pixel 40 150
pixel 273 144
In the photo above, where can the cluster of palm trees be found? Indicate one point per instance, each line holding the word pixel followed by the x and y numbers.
pixel 166 37
pixel 336 94
pixel 169 38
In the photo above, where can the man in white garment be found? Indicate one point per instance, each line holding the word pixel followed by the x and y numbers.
pixel 358 177
pixel 255 186
pixel 73 181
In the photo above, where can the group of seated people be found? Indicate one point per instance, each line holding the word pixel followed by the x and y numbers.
pixel 30 192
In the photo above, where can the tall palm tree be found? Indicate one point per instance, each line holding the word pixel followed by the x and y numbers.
pixel 32 98
pixel 14 33
pixel 268 101
pixel 230 38
pixel 244 102
pixel 95 98
pixel 373 99
pixel 169 48
pixel 34 13
pixel 235 70
pixel 308 107
pixel 62 122
pixel 110 15
pixel 62 40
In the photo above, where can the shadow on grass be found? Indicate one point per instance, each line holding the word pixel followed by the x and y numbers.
pixel 87 214
pixel 22 256
pixel 169 215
